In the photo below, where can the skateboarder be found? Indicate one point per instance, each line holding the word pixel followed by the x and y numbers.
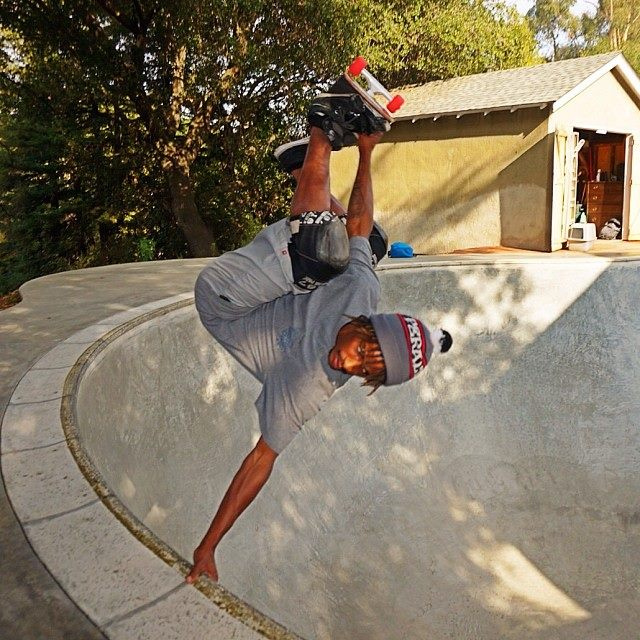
pixel 302 348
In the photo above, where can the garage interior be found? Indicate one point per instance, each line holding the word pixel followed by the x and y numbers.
pixel 601 180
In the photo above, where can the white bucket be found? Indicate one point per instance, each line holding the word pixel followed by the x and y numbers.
pixel 581 236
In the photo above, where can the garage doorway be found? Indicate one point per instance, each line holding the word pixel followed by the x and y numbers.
pixel 603 181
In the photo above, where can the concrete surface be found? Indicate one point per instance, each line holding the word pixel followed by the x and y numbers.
pixel 53 308
pixel 496 497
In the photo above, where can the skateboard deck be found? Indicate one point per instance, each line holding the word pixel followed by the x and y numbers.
pixel 374 87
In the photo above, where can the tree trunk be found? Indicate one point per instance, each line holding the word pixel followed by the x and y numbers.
pixel 185 212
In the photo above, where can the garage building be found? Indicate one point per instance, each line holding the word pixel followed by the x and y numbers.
pixel 509 157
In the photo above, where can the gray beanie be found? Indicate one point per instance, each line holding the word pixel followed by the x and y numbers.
pixel 406 344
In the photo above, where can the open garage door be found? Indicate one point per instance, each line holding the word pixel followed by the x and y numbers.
pixel 604 180
pixel 626 213
pixel 565 185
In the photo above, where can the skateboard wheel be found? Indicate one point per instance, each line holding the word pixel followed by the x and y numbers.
pixel 356 67
pixel 395 103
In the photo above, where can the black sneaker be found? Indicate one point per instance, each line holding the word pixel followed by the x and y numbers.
pixel 372 121
pixel 341 115
pixel 337 115
pixel 379 242
pixel 290 156
pixel 341 86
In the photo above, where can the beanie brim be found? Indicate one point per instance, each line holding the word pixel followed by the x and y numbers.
pixel 406 344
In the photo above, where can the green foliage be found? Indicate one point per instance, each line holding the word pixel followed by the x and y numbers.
pixel 32 180
pixel 415 41
pixel 621 19
pixel 78 188
pixel 614 26
pixel 126 124
pixel 146 249
pixel 239 187
pixel 631 50
pixel 555 26
pixel 619 22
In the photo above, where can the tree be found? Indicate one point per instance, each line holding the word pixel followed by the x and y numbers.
pixel 622 20
pixel 556 28
pixel 614 26
pixel 77 186
pixel 160 119
pixel 619 22
pixel 191 72
pixel 415 41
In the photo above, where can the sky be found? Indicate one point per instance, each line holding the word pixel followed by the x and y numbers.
pixel 581 6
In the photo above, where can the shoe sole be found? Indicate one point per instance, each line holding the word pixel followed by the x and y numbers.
pixel 383 124
pixel 290 145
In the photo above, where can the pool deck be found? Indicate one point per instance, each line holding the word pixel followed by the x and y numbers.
pixel 58 306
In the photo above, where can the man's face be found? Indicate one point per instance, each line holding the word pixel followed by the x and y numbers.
pixel 352 352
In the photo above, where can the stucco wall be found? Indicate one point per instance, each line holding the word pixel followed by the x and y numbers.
pixel 606 105
pixel 456 183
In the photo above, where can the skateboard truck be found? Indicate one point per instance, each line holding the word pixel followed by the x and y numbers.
pixel 374 86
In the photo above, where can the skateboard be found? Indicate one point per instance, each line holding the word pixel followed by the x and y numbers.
pixel 357 110
pixel 357 69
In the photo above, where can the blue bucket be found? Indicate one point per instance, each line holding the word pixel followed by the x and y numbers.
pixel 401 250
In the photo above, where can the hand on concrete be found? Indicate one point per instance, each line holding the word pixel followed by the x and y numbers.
pixel 203 563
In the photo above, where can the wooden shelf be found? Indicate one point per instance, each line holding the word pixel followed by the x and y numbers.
pixel 603 201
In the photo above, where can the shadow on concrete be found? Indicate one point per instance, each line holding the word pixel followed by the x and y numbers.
pixel 493 497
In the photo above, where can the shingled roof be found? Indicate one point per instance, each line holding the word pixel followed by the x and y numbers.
pixel 524 87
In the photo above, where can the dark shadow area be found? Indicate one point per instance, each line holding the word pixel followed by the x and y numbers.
pixel 470 126
pixel 526 198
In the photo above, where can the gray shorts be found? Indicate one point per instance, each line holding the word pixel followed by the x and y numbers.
pixel 232 288
pixel 245 332
pixel 223 320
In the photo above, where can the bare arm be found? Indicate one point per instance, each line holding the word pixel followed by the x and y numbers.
pixel 360 210
pixel 245 486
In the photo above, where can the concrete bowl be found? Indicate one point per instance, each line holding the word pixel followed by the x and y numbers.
pixel 495 496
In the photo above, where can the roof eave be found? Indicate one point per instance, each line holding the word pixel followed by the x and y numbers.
pixel 466 112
